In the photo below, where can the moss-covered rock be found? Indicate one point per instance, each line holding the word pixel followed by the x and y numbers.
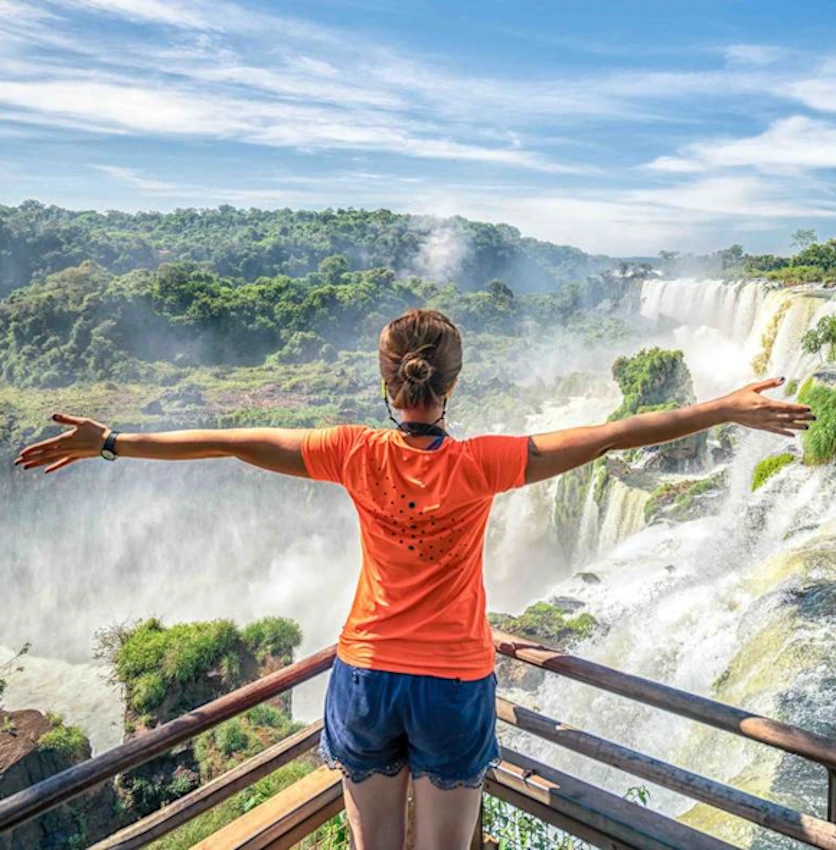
pixel 547 623
pixel 819 392
pixel 34 747
pixel 685 500
pixel 167 671
pixel 653 381
pixel 768 467
pixel 69 741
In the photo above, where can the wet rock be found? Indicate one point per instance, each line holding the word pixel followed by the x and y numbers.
pixel 567 604
pixel 184 397
pixel 153 408
pixel 25 759
pixel 588 578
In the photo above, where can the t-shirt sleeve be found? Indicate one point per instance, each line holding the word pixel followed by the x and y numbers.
pixel 503 459
pixel 326 450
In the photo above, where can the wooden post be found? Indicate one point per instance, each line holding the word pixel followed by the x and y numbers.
pixel 831 795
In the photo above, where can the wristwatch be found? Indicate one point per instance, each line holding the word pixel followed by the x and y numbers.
pixel 109 448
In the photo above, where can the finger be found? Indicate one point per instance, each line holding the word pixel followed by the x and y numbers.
pixel 45 459
pixel 797 415
pixel 66 419
pixel 36 447
pixel 61 464
pixel 769 384
pixel 774 429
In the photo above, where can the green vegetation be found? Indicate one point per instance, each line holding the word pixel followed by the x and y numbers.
pixel 184 665
pixel 69 741
pixel 814 263
pixel 272 637
pixel 653 379
pixel 820 440
pixel 235 740
pixel 38 240
pixel 84 323
pixel 677 500
pixel 545 622
pixel 792 388
pixel 821 336
pixel 210 822
pixel 514 829
pixel 768 467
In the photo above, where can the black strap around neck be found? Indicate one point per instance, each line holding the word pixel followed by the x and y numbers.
pixel 420 429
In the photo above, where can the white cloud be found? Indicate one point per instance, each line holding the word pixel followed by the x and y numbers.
pixel 797 143
pixel 815 92
pixel 754 54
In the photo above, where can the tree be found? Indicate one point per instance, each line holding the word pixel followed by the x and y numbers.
pixel 802 239
pixel 732 257
pixel 823 334
pixel 11 667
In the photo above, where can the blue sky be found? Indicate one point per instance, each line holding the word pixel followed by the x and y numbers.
pixel 619 127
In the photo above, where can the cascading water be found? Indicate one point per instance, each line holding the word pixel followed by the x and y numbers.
pixel 735 606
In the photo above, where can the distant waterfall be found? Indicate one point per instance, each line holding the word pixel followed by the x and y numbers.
pixel 623 514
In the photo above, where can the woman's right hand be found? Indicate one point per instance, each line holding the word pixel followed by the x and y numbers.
pixel 84 440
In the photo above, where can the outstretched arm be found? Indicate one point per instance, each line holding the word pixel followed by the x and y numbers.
pixel 276 449
pixel 560 451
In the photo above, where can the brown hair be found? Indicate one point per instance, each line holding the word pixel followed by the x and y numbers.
pixel 420 358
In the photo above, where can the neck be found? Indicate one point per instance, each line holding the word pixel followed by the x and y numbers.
pixel 421 414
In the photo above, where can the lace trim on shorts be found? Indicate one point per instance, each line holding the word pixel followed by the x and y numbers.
pixel 392 768
pixel 444 783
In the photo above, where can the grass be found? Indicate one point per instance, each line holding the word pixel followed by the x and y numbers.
pixel 820 440
pixel 150 659
pixel 216 818
pixel 69 741
pixel 768 467
pixel 272 637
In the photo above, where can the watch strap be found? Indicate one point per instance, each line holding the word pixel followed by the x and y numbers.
pixel 110 443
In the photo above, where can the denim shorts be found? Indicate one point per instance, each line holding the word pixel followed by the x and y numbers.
pixel 380 723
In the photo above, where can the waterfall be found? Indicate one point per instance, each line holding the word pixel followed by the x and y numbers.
pixel 623 514
pixel 703 604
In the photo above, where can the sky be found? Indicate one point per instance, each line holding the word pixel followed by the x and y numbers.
pixel 620 127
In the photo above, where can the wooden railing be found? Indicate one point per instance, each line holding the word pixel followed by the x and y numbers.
pixel 564 801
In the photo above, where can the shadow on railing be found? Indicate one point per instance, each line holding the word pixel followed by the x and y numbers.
pixel 556 798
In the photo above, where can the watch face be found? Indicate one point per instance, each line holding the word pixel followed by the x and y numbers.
pixel 108 455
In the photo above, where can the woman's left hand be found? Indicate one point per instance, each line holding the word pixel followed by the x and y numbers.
pixel 748 407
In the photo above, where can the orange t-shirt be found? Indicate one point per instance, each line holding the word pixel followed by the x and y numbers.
pixel 420 602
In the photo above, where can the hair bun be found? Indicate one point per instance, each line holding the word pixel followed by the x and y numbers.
pixel 415 369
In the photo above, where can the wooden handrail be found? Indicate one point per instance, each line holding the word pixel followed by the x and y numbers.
pixel 265 825
pixel 814 832
pixel 773 733
pixel 63 786
pixel 609 815
pixel 810 830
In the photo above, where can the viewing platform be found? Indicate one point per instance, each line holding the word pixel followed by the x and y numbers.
pixel 548 795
